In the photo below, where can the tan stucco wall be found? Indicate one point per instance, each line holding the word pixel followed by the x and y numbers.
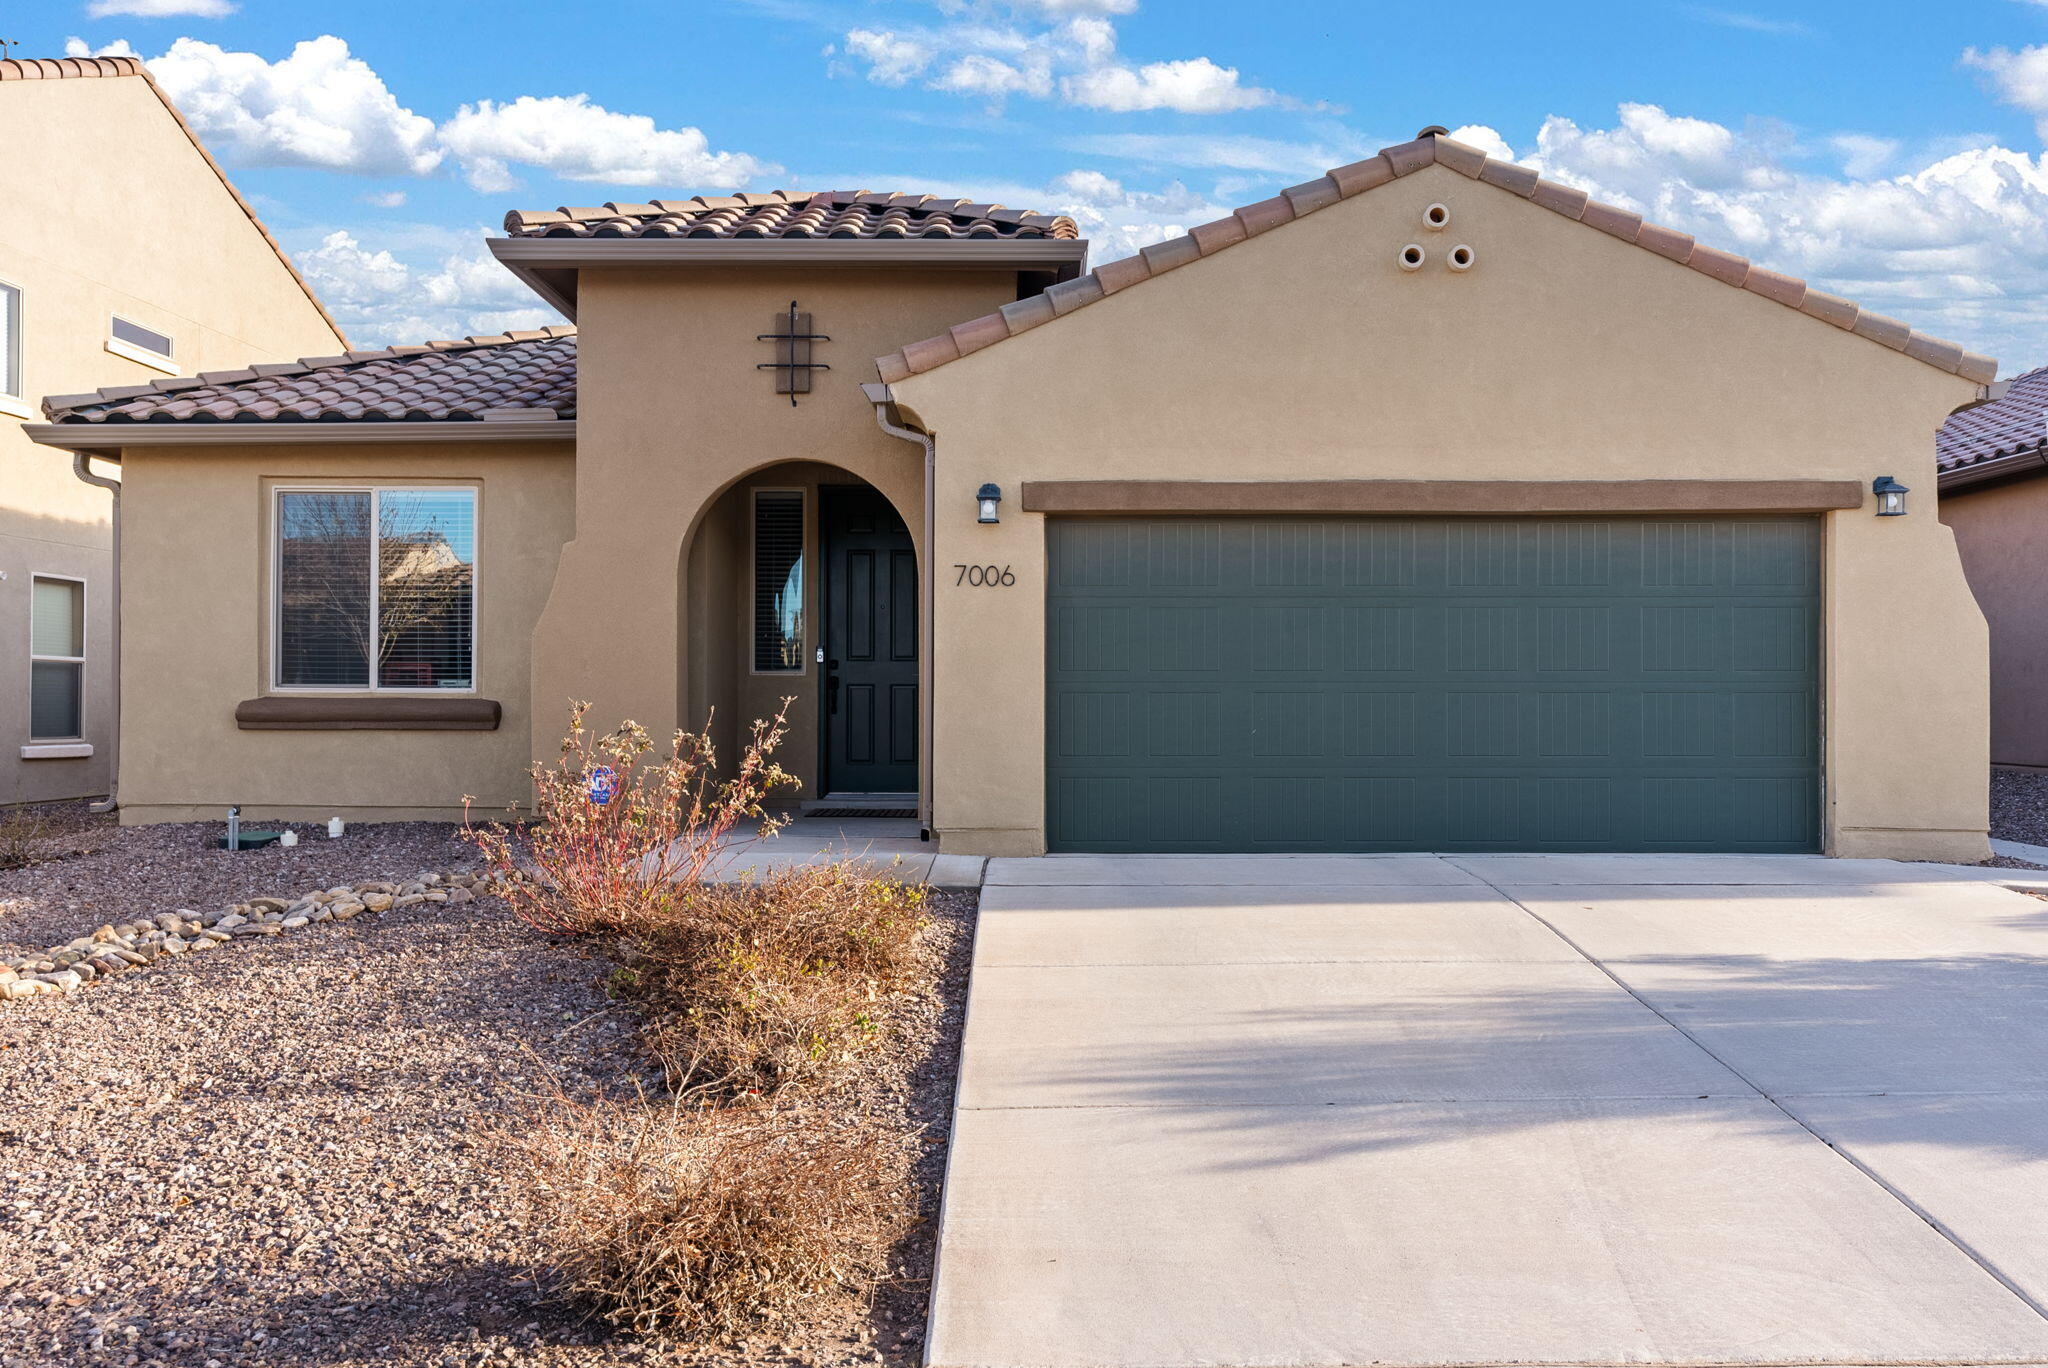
pixel 671 411
pixel 196 533
pixel 1306 353
pixel 1998 529
pixel 109 209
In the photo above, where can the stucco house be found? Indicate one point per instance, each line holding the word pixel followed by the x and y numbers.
pixel 1426 505
pixel 125 257
pixel 1991 458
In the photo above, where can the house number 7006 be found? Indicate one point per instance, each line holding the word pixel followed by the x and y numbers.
pixel 985 576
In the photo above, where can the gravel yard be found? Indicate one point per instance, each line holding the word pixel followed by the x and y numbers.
pixel 2019 805
pixel 286 1152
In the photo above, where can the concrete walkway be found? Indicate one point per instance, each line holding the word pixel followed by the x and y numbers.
pixel 1498 1109
pixel 887 846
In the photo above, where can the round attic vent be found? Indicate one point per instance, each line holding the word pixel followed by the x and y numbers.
pixel 1461 258
pixel 1436 217
pixel 1412 256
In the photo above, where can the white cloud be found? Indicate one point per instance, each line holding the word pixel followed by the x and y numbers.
pixel 892 59
pixel 160 9
pixel 1118 221
pixel 1862 155
pixel 384 199
pixel 1754 23
pixel 1485 139
pixel 120 47
pixel 2018 78
pixel 1273 156
pixel 320 106
pixel 1040 48
pixel 380 298
pixel 569 137
pixel 1194 86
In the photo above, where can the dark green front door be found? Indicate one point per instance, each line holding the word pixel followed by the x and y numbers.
pixel 1366 684
pixel 870 739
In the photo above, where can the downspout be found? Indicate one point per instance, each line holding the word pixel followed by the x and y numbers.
pixel 81 466
pixel 925 598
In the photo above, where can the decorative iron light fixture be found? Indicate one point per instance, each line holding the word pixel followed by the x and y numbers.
pixel 987 497
pixel 792 364
pixel 1891 497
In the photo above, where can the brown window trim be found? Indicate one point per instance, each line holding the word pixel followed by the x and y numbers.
pixel 1448 497
pixel 360 712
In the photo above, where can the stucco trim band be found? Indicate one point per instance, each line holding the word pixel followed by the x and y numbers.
pixel 114 436
pixel 1475 497
pixel 358 712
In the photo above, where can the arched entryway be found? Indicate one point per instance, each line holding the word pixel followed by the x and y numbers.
pixel 801 582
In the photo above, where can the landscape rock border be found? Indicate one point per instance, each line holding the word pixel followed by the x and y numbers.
pixel 117 948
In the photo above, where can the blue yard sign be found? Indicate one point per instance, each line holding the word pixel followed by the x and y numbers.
pixel 604 784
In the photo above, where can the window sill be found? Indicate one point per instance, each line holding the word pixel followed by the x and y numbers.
pixel 142 356
pixel 57 750
pixel 16 408
pixel 366 712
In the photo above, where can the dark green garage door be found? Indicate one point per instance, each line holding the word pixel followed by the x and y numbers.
pixel 1266 684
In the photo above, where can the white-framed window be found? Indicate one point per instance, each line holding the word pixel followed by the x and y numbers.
pixel 374 588
pixel 125 337
pixel 56 659
pixel 11 401
pixel 778 581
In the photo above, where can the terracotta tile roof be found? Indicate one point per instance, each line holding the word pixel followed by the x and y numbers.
pixel 794 214
pixel 1429 149
pixel 2016 423
pixel 433 382
pixel 65 68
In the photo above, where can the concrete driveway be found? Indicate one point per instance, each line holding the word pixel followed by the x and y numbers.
pixel 1498 1109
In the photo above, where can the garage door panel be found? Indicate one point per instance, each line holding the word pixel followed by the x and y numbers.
pixel 1543 684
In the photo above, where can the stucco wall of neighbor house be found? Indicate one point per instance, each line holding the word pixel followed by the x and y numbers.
pixel 86 235
pixel 670 412
pixel 1998 531
pixel 197 566
pixel 1564 354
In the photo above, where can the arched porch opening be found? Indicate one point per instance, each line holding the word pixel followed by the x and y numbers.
pixel 800 581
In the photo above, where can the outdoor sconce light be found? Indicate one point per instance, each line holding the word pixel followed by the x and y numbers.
pixel 1891 497
pixel 988 496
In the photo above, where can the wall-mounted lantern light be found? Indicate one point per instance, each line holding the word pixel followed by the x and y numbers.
pixel 1891 497
pixel 988 496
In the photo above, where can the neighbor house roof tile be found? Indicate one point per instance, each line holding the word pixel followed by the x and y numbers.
pixel 71 68
pixel 2015 423
pixel 1428 150
pixel 436 382
pixel 874 215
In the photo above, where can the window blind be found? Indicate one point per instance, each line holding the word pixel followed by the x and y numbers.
pixel 401 559
pixel 778 580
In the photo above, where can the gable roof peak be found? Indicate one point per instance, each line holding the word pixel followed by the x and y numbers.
pixel 1433 146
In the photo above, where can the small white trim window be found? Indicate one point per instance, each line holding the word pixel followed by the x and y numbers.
pixel 145 345
pixel 374 589
pixel 56 659
pixel 11 402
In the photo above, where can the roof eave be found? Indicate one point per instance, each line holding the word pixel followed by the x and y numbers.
pixel 2023 464
pixel 548 265
pixel 116 436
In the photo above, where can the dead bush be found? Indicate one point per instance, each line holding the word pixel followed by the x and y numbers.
pixel 711 1223
pixel 31 835
pixel 771 986
pixel 615 831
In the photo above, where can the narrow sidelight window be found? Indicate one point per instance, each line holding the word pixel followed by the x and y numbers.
pixel 56 651
pixel 376 588
pixel 778 580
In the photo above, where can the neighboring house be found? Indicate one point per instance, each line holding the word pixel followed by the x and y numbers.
pixel 1991 459
pixel 1426 505
pixel 125 257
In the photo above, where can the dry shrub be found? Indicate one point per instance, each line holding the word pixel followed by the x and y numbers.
pixel 32 835
pixel 585 867
pixel 772 986
pixel 711 1223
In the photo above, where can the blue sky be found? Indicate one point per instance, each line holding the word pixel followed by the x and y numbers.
pixel 1889 150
